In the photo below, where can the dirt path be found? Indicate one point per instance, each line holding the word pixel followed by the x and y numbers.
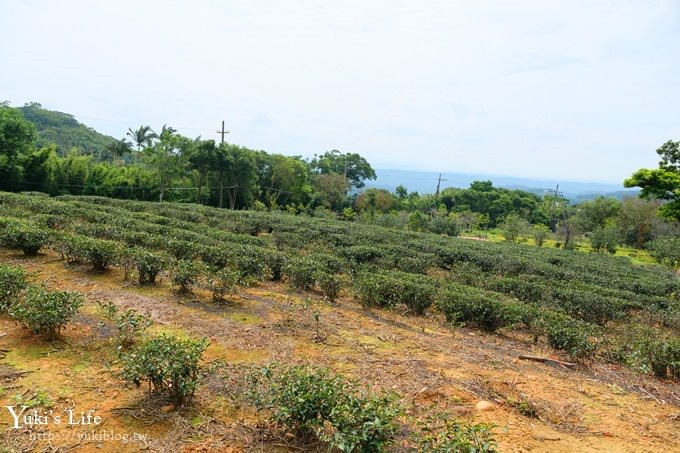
pixel 537 407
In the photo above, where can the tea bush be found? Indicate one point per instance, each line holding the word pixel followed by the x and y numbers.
pixel 100 253
pixel 223 282
pixel 169 364
pixel 312 403
pixel 130 324
pixel 563 332
pixel 301 272
pixel 439 433
pixel 23 235
pixel 46 312
pixel 13 281
pixel 389 288
pixel 149 264
pixel 330 284
pixel 479 308
pixel 186 274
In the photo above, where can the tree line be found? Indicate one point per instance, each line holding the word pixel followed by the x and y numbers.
pixel 167 166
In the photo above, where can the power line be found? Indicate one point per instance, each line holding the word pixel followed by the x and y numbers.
pixel 130 123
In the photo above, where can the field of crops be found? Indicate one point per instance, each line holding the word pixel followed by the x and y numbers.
pixel 566 299
pixel 590 307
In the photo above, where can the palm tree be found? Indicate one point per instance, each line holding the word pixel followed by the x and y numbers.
pixel 119 148
pixel 142 136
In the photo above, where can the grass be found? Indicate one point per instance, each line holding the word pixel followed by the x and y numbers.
pixel 639 257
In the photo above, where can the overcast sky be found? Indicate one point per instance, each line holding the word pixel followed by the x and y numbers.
pixel 578 90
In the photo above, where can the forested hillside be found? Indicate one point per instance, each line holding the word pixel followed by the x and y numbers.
pixel 65 132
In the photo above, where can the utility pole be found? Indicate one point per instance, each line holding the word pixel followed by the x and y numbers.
pixel 439 181
pixel 222 132
pixel 552 208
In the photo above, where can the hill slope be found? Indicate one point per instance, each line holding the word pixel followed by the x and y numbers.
pixel 65 131
pixel 415 290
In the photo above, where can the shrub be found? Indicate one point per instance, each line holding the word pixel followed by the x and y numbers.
pixel 182 249
pixel 330 285
pixel 223 282
pixel 46 312
pixel 276 262
pixel 666 251
pixel 100 253
pixel 149 264
pixel 441 434
pixel 444 225
pixel 12 282
pixel 251 263
pixel 130 324
pixel 301 272
pixel 313 403
pixel 663 357
pixel 25 236
pixel 472 306
pixel 565 333
pixel 169 364
pixel 588 304
pixel 185 274
pixel 390 288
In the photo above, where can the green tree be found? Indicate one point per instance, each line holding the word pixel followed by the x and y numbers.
pixel 167 158
pixel 540 233
pixel 119 148
pixel 236 172
pixel 143 136
pixel 513 227
pixel 284 180
pixel 594 214
pixel 331 189
pixel 17 137
pixel 375 200
pixel 202 158
pixel 662 183
pixel 350 165
pixel 637 220
pixel 567 230
pixel 605 238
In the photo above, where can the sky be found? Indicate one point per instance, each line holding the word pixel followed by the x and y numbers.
pixel 577 90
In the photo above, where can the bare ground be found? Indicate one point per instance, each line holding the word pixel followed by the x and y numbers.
pixel 537 407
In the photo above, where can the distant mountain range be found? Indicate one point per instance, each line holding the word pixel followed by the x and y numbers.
pixel 426 182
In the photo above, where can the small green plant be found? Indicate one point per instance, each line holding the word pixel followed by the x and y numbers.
pixel 170 366
pixel 130 326
pixel 46 312
pixel 39 399
pixel 109 309
pixel 441 434
pixel 12 282
pixel 313 403
pixel 223 283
